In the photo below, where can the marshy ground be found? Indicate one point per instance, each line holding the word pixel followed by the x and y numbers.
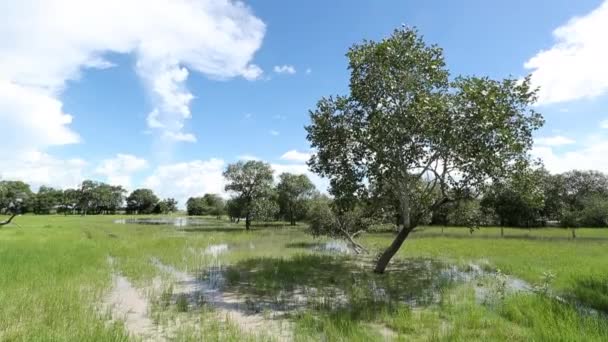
pixel 98 279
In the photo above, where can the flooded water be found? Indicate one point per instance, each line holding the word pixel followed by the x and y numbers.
pixel 172 221
pixel 334 246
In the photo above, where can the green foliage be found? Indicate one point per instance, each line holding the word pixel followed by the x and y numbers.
pixel 141 201
pixel 15 196
pixel 519 200
pixel 209 204
pixel 166 206
pixel 46 200
pixel 250 182
pixel 408 129
pixel 326 219
pixel 294 193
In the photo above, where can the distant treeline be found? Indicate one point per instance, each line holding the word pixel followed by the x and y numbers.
pixel 571 199
pixel 89 199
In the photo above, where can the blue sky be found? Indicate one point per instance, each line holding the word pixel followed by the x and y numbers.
pixel 164 94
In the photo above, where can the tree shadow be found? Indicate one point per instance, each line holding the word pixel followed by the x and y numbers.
pixel 336 284
pixel 303 245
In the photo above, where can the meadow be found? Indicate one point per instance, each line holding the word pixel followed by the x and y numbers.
pixel 77 278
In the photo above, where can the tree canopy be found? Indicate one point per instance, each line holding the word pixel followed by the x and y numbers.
pixel 406 127
pixel 250 182
pixel 294 192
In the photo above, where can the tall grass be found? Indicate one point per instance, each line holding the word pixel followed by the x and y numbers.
pixel 54 272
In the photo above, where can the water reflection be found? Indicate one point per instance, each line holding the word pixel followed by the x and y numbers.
pixel 172 221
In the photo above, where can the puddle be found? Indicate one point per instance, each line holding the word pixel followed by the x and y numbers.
pixel 334 246
pixel 206 287
pixel 216 250
pixel 172 221
pixel 125 302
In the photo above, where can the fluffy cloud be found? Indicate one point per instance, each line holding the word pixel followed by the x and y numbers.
pixel 183 180
pixel 604 124
pixel 38 168
pixel 273 132
pixel 295 156
pixel 284 69
pixel 120 169
pixel 556 140
pixel 590 157
pixel 31 120
pixel 575 66
pixel 168 37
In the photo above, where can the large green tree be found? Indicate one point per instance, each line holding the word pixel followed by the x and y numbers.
pixel 250 182
pixel 407 126
pixel 141 201
pixel 294 192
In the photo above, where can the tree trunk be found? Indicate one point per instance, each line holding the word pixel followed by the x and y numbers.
pixel 573 233
pixel 388 254
pixel 293 221
pixel 502 231
pixel 247 222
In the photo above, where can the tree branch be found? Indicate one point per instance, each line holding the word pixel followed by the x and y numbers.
pixel 3 223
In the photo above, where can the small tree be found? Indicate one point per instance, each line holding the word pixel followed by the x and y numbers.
pixel 249 182
pixel 406 127
pixel 294 192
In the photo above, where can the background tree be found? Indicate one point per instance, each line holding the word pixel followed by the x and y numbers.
pixel 69 201
pixel 235 208
pixel 14 197
pixel 405 126
pixel 195 206
pixel 294 193
pixel 518 201
pixel 249 182
pixel 141 201
pixel 166 206
pixel 46 200
pixel 214 205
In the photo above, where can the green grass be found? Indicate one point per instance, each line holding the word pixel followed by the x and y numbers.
pixel 54 272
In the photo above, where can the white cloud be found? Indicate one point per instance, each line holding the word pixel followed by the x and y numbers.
pixel 183 180
pixel 575 66
pixel 273 132
pixel 308 71
pixel 217 38
pixel 557 140
pixel 284 69
pixel 38 168
pixel 31 120
pixel 590 157
pixel 604 124
pixel 295 156
pixel 120 169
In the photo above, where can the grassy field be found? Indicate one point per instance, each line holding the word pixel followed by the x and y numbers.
pixel 56 273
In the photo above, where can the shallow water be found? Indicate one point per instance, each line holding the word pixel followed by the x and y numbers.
pixel 172 221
